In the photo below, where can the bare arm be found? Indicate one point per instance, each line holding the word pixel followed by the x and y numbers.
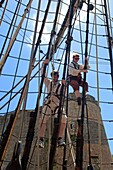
pixel 46 80
pixel 75 72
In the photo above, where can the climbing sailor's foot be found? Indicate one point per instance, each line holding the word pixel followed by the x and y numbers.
pixel 79 100
pixel 60 142
pixel 41 143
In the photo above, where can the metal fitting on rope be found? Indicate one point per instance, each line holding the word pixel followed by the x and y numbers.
pixel 70 38
pixel 26 10
pixel 53 32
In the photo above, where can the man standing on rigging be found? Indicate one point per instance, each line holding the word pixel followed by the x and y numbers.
pixel 75 77
pixel 51 105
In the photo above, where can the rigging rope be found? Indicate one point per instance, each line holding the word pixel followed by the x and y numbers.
pixel 56 129
pixel 80 163
pixel 11 24
pixel 93 34
pixel 4 58
pixel 22 95
pixel 109 41
pixel 3 10
pixel 26 157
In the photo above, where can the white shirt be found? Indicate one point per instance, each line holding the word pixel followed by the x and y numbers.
pixel 75 72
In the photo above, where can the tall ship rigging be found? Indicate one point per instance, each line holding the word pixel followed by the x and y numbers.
pixel 32 32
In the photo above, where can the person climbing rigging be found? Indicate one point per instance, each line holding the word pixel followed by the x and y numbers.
pixel 75 77
pixel 51 105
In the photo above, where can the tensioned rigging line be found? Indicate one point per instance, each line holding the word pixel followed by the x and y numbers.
pixel 23 109
pixel 91 56
pixel 64 39
pixel 98 15
pixel 59 23
pixel 22 80
pixel 92 44
pixel 7 92
pixel 30 18
pixel 37 122
pixel 80 163
pixel 26 157
pixel 101 25
pixel 42 10
pixel 66 131
pixel 83 30
pixel 109 41
pixel 36 73
pixel 57 126
pixel 110 139
pixel 15 70
pixel 12 21
pixel 49 54
pixel 88 133
pixel 107 102
pixel 109 18
pixel 81 38
pixel 76 117
pixel 64 26
pixel 92 62
pixel 8 38
pixel 22 87
pixel 3 10
pixel 17 110
pixel 4 58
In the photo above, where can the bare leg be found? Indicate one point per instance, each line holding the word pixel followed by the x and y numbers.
pixel 77 93
pixel 42 130
pixel 62 126
pixel 62 130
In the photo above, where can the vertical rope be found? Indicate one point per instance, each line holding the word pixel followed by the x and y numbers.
pixel 27 147
pixel 83 93
pixel 109 40
pixel 16 11
pixel 11 42
pixel 3 10
pixel 98 93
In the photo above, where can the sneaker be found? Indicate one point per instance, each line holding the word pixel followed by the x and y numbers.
pixel 79 100
pixel 61 142
pixel 41 143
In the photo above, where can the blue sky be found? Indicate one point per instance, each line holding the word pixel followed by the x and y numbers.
pixel 22 64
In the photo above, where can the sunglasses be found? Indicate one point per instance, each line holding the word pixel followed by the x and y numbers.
pixel 76 58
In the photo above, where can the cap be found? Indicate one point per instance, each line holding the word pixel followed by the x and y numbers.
pixel 75 55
